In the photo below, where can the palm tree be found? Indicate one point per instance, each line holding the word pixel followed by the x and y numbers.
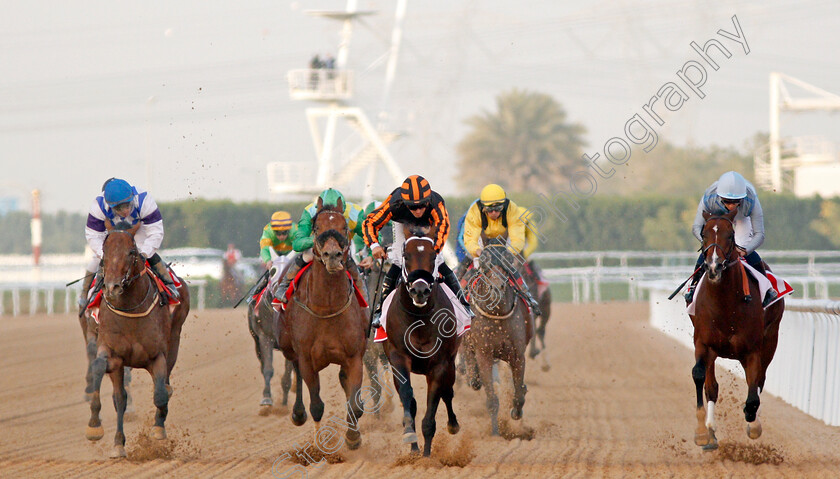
pixel 527 144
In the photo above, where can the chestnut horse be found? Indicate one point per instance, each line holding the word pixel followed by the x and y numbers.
pixel 500 330
pixel 262 324
pixel 136 329
pixel 324 324
pixel 422 339
pixel 728 326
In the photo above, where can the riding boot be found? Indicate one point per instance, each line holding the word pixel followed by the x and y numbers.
pixel 453 284
pixel 771 293
pixel 294 268
pixel 695 278
pixel 163 273
pixel 83 299
pixel 389 282
pixel 525 292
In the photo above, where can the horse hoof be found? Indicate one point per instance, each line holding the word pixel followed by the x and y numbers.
pixel 353 443
pixel 94 433
pixel 754 429
pixel 267 402
pixel 410 438
pixel 545 366
pixel 158 432
pixel 515 414
pixel 453 428
pixel 299 420
pixel 701 439
pixel 710 446
pixel 118 452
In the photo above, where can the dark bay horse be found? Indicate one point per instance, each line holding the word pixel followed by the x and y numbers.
pixel 422 339
pixel 136 329
pixel 500 330
pixel 262 324
pixel 531 277
pixel 727 326
pixel 324 324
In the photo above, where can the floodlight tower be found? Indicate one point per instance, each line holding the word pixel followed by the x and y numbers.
pixel 332 87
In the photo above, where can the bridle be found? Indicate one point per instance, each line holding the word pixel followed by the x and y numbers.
pixel 476 305
pixel 726 252
pixel 316 250
pixel 428 277
pixel 126 282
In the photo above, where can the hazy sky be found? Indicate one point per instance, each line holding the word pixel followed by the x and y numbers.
pixel 197 90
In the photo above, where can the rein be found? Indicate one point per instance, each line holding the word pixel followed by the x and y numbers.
pixel 495 316
pixel 125 312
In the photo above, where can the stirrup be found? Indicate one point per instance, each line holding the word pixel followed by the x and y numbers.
pixel 769 297
pixel 689 295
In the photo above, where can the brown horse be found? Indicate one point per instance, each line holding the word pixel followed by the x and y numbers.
pixel 728 325
pixel 89 331
pixel 136 329
pixel 531 277
pixel 500 330
pixel 421 330
pixel 262 324
pixel 324 324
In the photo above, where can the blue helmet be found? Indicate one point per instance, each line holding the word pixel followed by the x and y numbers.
pixel 117 192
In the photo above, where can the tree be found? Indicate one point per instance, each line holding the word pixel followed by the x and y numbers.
pixel 828 224
pixel 527 144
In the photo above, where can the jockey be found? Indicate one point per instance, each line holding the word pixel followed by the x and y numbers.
pixel 728 193
pixel 494 215
pixel 276 237
pixel 363 256
pixel 302 240
pixel 123 202
pixel 414 204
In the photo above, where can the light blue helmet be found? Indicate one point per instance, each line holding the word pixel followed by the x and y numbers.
pixel 117 192
pixel 732 186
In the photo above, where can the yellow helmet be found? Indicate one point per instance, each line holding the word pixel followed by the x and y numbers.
pixel 281 221
pixel 492 193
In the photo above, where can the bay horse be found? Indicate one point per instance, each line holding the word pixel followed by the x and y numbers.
pixel 262 324
pixel 136 329
pixel 501 329
pixel 531 277
pixel 89 332
pixel 727 325
pixel 325 324
pixel 422 339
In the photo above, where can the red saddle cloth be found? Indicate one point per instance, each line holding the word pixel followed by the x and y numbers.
pixel 95 303
pixel 278 305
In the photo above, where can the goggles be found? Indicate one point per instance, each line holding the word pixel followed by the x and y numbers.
pixel 495 207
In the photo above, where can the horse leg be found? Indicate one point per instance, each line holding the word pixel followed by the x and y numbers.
pixel 95 431
pixel 267 364
pixel 754 372
pixel 120 400
pixel 401 371
pixel 298 410
pixel 433 396
pixel 711 389
pixel 172 351
pixel 485 371
pixel 286 381
pixel 90 349
pixel 471 368
pixel 546 310
pixel 447 393
pixel 370 360
pixel 350 377
pixel 517 367
pixel 702 435
pixel 129 402
pixel 533 350
pixel 160 371
pixel 313 383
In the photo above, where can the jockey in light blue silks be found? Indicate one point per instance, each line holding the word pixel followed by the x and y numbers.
pixel 733 191
pixel 123 202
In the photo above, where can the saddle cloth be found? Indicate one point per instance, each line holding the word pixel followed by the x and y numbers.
pixel 462 318
pixel 781 286
pixel 95 303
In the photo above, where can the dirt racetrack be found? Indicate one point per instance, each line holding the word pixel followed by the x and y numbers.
pixel 617 402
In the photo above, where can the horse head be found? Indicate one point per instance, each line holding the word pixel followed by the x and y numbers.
pixel 495 260
pixel 419 265
pixel 331 243
pixel 718 243
pixel 121 261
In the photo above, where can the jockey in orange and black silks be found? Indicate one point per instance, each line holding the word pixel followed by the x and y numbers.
pixel 122 202
pixel 732 191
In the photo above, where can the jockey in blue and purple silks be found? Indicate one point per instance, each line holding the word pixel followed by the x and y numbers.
pixel 123 202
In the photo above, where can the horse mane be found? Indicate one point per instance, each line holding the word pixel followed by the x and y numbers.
pixel 122 226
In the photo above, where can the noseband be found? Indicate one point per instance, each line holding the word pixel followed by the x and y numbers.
pixel 420 274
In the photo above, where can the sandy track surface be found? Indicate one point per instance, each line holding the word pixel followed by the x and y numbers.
pixel 618 402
